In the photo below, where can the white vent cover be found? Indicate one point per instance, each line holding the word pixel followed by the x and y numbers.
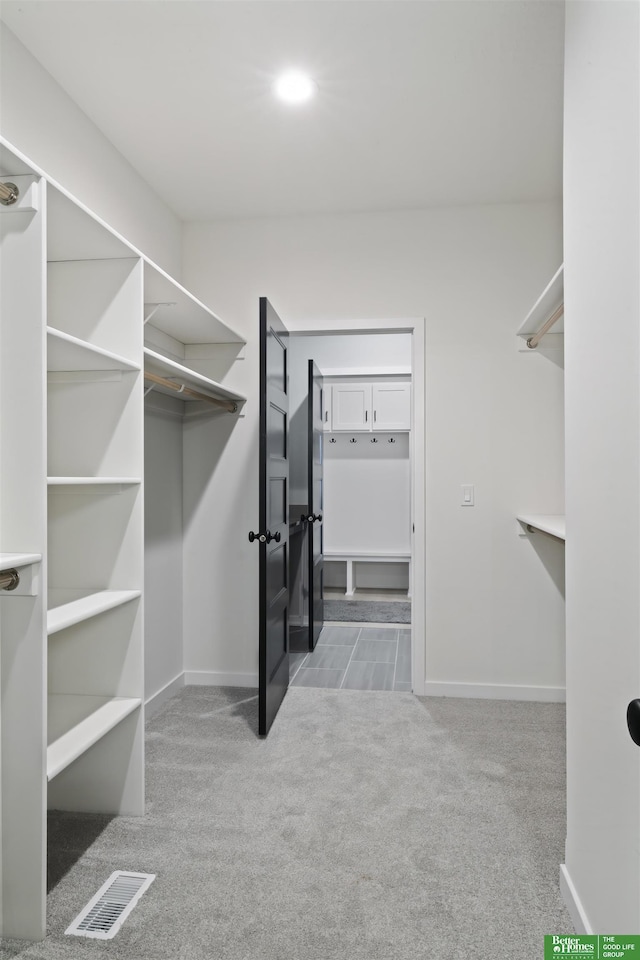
pixel 106 912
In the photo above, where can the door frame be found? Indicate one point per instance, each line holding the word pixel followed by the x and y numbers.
pixel 416 326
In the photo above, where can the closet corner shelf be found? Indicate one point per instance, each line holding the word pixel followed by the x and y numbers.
pixel 77 722
pixel 64 612
pixel 170 369
pixel 548 301
pixel 67 353
pixel 553 524
pixel 18 559
pixel 178 313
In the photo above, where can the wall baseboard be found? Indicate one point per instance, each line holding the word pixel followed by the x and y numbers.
pixel 573 903
pixel 494 691
pixel 219 678
pixel 153 704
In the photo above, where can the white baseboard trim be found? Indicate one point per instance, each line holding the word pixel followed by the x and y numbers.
pixel 573 903
pixel 494 691
pixel 219 678
pixel 153 704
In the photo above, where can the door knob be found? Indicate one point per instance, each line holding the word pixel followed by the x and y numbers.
pixel 633 721
pixel 313 517
pixel 264 537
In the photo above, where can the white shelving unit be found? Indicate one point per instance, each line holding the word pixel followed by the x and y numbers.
pixel 18 560
pixel 65 611
pixel 66 353
pixel 71 505
pixel 77 723
pixel 553 524
pixel 549 303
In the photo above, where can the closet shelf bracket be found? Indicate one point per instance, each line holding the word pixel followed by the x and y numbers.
pixel 155 307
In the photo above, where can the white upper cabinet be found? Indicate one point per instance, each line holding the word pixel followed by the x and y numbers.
pixel 391 406
pixel 382 406
pixel 327 398
pixel 351 406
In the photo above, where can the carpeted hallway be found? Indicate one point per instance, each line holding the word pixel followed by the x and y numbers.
pixel 367 826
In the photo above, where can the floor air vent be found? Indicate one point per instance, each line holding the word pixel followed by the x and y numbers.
pixel 106 912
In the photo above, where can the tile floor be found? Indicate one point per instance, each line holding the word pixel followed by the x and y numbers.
pixel 356 657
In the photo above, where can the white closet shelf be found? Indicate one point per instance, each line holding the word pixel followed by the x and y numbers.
pixel 77 722
pixel 65 611
pixel 171 370
pixel 90 481
pixel 18 559
pixel 553 524
pixel 177 312
pixel 65 353
pixel 548 301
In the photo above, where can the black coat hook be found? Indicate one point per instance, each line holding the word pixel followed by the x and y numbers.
pixel 374 440
pixel 353 440
pixel 333 440
pixel 392 440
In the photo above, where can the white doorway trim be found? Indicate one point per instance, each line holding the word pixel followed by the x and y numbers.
pixel 416 327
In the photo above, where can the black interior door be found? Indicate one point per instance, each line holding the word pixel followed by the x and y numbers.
pixel 274 516
pixel 315 501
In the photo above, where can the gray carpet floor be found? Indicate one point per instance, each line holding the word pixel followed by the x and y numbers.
pixel 368 611
pixel 367 826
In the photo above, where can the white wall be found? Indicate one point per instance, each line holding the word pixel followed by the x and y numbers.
pixel 602 297
pixel 43 123
pixel 494 418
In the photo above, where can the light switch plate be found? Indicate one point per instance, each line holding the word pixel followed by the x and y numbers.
pixel 468 495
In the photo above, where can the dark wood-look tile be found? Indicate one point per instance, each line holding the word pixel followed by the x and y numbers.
pixel 316 677
pixel 339 636
pixel 379 633
pixel 330 657
pixel 376 651
pixel 363 675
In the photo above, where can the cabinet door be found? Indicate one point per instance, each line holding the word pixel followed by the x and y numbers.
pixel 351 406
pixel 326 408
pixel 391 406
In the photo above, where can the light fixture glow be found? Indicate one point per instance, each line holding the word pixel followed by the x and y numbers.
pixel 294 87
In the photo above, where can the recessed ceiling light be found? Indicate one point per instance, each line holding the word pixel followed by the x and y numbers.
pixel 294 87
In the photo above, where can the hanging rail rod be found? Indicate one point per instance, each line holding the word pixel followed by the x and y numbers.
pixel 230 405
pixel 9 193
pixel 533 341
pixel 9 579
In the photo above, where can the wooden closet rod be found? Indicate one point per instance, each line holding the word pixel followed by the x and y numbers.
pixel 533 341
pixel 230 405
